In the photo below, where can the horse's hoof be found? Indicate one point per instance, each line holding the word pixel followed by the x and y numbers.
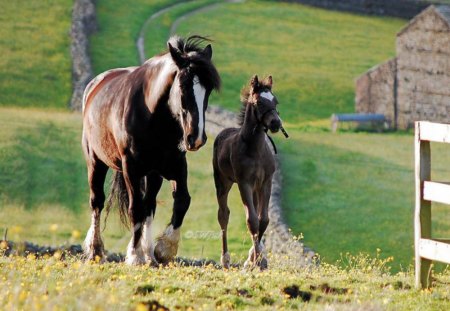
pixel 94 253
pixel 167 245
pixel 249 264
pixel 134 261
pixel 225 260
pixel 263 264
pixel 98 258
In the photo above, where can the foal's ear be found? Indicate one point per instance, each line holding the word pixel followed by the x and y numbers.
pixel 268 82
pixel 207 51
pixel 254 83
pixel 177 56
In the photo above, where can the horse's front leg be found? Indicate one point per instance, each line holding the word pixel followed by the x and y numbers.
pixel 153 182
pixel 246 191
pixel 167 244
pixel 137 214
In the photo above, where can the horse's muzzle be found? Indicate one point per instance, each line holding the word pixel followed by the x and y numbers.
pixel 193 144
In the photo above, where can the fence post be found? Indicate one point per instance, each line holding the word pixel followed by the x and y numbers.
pixel 422 215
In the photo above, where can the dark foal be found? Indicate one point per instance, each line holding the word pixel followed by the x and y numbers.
pixel 140 121
pixel 242 156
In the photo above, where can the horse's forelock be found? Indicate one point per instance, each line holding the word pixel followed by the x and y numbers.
pixel 264 87
pixel 200 64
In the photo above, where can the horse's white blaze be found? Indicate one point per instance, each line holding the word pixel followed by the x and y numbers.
pixel 267 95
pixel 199 93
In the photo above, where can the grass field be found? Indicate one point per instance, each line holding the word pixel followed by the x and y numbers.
pixel 43 182
pixel 350 192
pixel 35 53
pixel 362 284
pixel 345 192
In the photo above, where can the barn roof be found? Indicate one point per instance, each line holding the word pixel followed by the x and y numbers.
pixel 443 11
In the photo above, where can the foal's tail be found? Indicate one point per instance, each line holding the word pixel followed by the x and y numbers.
pixel 118 193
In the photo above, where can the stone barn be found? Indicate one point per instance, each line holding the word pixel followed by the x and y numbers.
pixel 415 85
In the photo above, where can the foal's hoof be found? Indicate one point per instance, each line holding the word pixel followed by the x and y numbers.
pixel 225 260
pixel 167 245
pixel 249 264
pixel 263 264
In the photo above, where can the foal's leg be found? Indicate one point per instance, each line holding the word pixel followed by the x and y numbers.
pixel 93 244
pixel 263 216
pixel 222 189
pixel 153 184
pixel 136 213
pixel 246 191
pixel 167 244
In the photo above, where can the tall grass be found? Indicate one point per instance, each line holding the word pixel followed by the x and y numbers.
pixel 362 284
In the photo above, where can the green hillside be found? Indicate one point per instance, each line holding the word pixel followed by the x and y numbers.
pixel 35 53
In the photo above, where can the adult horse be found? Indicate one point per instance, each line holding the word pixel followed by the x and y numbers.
pixel 140 121
pixel 242 156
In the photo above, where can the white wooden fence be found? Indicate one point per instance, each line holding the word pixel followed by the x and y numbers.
pixel 426 248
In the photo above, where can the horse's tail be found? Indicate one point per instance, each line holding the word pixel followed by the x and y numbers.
pixel 118 193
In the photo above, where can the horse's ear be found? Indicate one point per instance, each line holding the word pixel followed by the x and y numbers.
pixel 254 83
pixel 176 56
pixel 208 51
pixel 269 82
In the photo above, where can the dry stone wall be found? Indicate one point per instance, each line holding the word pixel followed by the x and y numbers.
pixel 396 8
pixel 83 24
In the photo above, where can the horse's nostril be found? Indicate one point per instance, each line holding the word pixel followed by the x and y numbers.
pixel 191 141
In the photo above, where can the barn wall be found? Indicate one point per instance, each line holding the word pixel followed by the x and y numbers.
pixel 423 53
pixel 375 91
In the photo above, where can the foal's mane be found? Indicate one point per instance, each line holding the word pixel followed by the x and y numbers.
pixel 196 60
pixel 246 92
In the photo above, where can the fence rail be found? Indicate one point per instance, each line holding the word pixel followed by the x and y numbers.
pixel 426 248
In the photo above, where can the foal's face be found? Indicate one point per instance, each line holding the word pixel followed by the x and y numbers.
pixel 267 110
pixel 194 101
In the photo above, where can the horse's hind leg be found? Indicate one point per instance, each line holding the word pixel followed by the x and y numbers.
pixel 153 184
pixel 223 215
pixel 263 217
pixel 93 244
pixel 136 212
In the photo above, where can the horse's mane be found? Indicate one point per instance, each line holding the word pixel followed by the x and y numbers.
pixel 245 94
pixel 198 62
